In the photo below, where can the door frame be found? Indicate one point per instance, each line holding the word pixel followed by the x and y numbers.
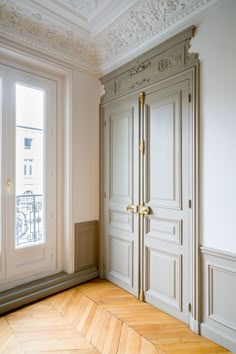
pixel 20 262
pixel 36 64
pixel 189 68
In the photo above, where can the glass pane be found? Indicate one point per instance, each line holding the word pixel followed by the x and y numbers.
pixel 29 165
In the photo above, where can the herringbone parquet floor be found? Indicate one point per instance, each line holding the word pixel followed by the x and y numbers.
pixel 97 317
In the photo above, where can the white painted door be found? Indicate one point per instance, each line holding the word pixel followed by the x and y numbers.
pixel 148 168
pixel 122 191
pixel 167 193
pixel 28 177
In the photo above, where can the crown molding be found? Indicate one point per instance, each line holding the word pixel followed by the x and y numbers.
pixel 106 18
pixel 164 34
pixel 154 34
pixel 24 53
pixel 123 31
pixel 59 12
pixel 34 30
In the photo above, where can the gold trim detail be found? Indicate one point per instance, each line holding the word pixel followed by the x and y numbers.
pixel 141 295
pixel 142 98
pixel 144 210
pixel 132 208
pixel 141 146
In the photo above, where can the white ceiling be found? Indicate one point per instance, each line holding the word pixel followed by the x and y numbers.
pixel 97 35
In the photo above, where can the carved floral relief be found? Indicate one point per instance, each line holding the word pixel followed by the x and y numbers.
pixel 144 20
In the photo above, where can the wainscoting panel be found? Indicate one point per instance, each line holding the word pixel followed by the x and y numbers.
pixel 86 245
pixel 219 297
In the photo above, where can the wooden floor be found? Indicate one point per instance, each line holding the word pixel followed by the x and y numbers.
pixel 97 317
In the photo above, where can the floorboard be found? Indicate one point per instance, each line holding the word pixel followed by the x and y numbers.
pixel 98 317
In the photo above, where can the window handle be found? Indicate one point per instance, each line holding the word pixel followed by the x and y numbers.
pixel 9 184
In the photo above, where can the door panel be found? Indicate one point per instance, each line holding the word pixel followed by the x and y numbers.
pixel 166 285
pixel 121 220
pixel 164 147
pixel 166 230
pixel 121 151
pixel 121 259
pixel 121 160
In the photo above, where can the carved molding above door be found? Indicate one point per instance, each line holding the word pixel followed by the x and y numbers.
pixel 165 60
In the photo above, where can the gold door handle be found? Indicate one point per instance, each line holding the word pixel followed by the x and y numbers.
pixel 132 207
pixel 144 210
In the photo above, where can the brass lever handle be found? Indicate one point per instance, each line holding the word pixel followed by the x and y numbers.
pixel 132 207
pixel 144 210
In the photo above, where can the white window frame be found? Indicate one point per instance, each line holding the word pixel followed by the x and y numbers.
pixel 63 76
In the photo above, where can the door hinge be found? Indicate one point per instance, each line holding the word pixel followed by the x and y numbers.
pixel 189 307
pixel 190 203
pixel 105 195
pixel 105 123
pixel 190 97
pixel 141 146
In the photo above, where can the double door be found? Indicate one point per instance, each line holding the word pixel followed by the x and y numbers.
pixel 147 195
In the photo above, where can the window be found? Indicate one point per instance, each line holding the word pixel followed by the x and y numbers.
pixel 27 143
pixel 28 167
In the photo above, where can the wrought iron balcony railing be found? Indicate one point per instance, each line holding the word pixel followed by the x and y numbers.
pixel 29 219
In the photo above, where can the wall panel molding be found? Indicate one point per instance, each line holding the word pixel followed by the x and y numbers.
pixel 86 245
pixel 218 311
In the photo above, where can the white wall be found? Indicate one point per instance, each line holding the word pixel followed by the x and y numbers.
pixel 215 41
pixel 85 148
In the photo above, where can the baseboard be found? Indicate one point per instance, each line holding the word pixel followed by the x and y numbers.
pixel 194 325
pixel 218 289
pixel 218 337
pixel 38 289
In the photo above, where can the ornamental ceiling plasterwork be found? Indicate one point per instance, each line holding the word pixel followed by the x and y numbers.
pixel 87 8
pixel 94 34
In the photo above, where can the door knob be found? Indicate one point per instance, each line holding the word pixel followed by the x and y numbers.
pixel 144 210
pixel 132 207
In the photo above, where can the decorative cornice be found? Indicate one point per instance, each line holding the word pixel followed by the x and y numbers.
pixel 37 26
pixel 144 21
pixel 33 29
